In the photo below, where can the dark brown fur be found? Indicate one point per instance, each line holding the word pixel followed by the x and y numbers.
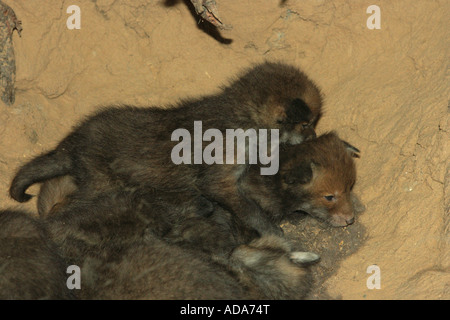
pixel 132 146
pixel 54 193
pixel 116 239
pixel 309 172
pixel 132 266
pixel 30 265
pixel 122 215
pixel 157 270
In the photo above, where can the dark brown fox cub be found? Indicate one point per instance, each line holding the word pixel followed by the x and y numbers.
pixel 154 269
pixel 132 146
pixel 315 177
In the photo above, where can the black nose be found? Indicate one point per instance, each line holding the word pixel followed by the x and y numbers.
pixel 350 221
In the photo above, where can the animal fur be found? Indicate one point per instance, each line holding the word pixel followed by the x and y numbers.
pixel 157 270
pixel 309 173
pixel 315 176
pixel 54 193
pixel 131 247
pixel 30 264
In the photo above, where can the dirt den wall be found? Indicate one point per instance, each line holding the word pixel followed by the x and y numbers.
pixel 386 92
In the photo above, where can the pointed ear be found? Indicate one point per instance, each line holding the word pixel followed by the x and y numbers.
pixel 300 174
pixel 353 151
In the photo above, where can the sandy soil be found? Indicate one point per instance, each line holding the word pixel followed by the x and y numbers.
pixel 386 91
